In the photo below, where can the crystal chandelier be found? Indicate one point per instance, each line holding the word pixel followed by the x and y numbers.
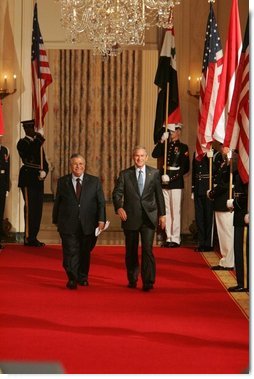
pixel 110 25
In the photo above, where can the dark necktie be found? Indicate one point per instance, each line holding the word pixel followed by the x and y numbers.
pixel 78 188
pixel 140 182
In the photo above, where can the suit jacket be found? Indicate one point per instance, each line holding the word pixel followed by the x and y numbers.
pixel 126 195
pixel 69 213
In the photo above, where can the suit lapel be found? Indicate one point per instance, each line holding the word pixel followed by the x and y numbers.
pixel 148 178
pixel 70 185
pixel 84 185
pixel 133 178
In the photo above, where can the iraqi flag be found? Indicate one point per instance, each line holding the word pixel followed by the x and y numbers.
pixel 167 74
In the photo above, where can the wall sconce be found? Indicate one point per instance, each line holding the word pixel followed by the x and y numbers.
pixel 194 87
pixel 4 91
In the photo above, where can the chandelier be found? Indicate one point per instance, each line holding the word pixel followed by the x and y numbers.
pixel 110 25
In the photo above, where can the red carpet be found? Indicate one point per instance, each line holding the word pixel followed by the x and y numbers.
pixel 188 324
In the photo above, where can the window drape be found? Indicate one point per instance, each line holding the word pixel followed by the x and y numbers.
pixel 96 111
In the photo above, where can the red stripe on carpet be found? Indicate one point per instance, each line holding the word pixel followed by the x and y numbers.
pixel 188 324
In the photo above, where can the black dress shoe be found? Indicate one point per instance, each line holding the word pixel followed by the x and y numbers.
pixel 208 248
pixel 147 287
pixel 1 246
pixel 174 244
pixel 237 289
pixel 165 244
pixel 83 282
pixel 71 284
pixel 199 249
pixel 132 285
pixel 218 267
pixel 34 243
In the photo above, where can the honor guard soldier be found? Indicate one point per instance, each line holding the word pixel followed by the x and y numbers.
pixel 204 213
pixel 31 180
pixel 4 183
pixel 239 206
pixel 223 217
pixel 178 164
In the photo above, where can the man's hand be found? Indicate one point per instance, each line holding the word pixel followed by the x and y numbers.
pixel 208 194
pixel 247 218
pixel 42 175
pixel 121 212
pixel 164 136
pixel 165 179
pixel 101 225
pixel 230 205
pixel 162 222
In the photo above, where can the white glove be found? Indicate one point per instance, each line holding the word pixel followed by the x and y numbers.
pixel 230 205
pixel 247 218
pixel 42 174
pixel 7 193
pixel 164 136
pixel 210 153
pixel 165 179
pixel 192 196
pixel 229 154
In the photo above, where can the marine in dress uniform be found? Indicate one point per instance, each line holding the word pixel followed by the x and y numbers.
pixel 31 180
pixel 178 164
pixel 223 217
pixel 239 205
pixel 4 183
pixel 204 213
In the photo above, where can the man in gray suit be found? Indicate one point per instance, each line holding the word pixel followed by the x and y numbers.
pixel 79 208
pixel 139 202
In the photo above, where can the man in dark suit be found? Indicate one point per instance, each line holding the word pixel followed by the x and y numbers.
pixel 79 208
pixel 4 183
pixel 31 180
pixel 139 201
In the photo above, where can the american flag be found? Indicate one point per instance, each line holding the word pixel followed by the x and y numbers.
pixel 237 130
pixel 1 121
pixel 211 71
pixel 41 76
pixel 227 80
pixel 167 73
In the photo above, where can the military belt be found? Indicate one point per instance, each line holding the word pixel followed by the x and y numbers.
pixel 202 176
pixel 173 168
pixel 238 194
pixel 32 165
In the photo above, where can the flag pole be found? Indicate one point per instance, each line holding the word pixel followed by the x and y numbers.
pixel 210 157
pixel 230 174
pixel 210 172
pixel 40 123
pixel 166 129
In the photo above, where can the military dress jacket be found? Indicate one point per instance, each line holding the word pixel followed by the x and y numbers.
pixel 30 153
pixel 4 169
pixel 178 162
